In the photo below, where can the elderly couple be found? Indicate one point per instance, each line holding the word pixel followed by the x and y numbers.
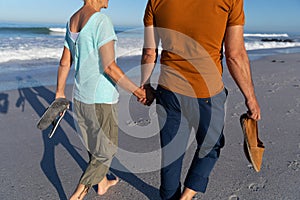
pixel 192 35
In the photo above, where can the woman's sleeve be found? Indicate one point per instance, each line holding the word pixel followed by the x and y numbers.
pixel 105 32
pixel 66 44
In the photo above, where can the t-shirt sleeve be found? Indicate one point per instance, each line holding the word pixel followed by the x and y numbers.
pixel 66 43
pixel 236 15
pixel 105 32
pixel 148 15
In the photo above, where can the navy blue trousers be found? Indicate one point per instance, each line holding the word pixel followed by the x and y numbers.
pixel 178 115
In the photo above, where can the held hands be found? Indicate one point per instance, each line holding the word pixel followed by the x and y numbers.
pixel 145 94
pixel 150 94
pixel 140 93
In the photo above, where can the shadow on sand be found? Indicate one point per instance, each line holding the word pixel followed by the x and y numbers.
pixel 48 166
pixel 4 103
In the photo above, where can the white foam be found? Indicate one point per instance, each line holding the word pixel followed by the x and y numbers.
pixel 265 35
pixel 29 54
pixel 58 30
pixel 270 45
pixel 13 49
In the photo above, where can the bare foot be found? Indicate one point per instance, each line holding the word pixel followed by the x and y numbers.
pixel 80 192
pixel 188 194
pixel 105 184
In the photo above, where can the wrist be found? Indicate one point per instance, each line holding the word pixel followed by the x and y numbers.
pixel 146 85
pixel 60 95
pixel 138 93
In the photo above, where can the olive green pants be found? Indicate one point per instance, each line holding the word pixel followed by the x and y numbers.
pixel 98 129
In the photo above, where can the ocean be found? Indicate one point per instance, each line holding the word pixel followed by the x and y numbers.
pixel 29 54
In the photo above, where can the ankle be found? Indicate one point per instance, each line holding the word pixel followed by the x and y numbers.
pixel 105 184
pixel 188 194
pixel 80 192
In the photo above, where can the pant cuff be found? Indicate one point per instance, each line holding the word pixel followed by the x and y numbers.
pixel 196 183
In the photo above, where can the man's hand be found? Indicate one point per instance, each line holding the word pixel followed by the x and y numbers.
pixel 150 94
pixel 253 109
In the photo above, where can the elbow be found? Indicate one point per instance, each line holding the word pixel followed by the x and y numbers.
pixel 108 70
pixel 113 71
pixel 65 64
pixel 149 55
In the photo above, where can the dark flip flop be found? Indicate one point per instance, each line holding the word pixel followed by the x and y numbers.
pixel 53 114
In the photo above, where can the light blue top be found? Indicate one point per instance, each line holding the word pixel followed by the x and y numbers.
pixel 91 84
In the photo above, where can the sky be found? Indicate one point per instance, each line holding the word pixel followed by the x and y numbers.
pixel 261 15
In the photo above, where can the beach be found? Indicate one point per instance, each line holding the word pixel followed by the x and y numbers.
pixel 36 167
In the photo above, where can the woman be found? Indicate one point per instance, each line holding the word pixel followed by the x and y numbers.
pixel 90 45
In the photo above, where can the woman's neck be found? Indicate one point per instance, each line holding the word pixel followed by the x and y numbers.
pixel 90 4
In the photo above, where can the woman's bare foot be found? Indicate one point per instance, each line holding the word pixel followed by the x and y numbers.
pixel 80 192
pixel 105 184
pixel 188 194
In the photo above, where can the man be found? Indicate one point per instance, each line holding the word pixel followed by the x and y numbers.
pixel 190 86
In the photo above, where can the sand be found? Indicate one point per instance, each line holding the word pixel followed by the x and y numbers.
pixel 36 167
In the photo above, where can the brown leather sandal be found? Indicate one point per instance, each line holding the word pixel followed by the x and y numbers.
pixel 253 146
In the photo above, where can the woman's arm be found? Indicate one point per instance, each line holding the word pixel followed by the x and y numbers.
pixel 63 72
pixel 116 74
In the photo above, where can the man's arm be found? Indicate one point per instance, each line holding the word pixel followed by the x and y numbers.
pixel 63 72
pixel 148 61
pixel 239 68
pixel 149 55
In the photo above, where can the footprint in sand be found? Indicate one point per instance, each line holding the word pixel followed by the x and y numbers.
pixel 233 197
pixel 143 122
pixel 131 123
pixel 296 86
pixel 140 122
pixel 294 165
pixel 250 166
pixel 291 111
pixel 255 187
pixel 280 61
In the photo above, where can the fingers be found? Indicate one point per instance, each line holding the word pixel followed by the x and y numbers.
pixel 253 110
pixel 148 97
pixel 256 116
pixel 145 101
pixel 142 100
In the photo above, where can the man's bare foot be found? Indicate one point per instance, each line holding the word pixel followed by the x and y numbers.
pixel 105 184
pixel 80 192
pixel 188 194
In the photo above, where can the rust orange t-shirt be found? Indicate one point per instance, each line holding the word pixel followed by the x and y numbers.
pixel 191 34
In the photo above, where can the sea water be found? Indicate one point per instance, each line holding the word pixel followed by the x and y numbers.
pixel 29 54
